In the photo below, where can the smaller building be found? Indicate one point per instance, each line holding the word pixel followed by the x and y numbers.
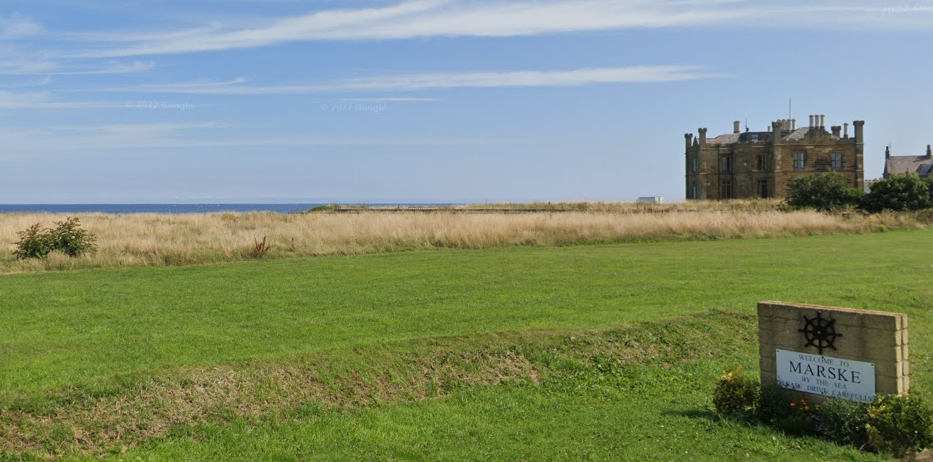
pixel 899 165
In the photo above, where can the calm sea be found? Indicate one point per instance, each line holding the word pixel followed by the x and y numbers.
pixel 163 208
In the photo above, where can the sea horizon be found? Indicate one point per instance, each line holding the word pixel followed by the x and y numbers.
pixel 175 209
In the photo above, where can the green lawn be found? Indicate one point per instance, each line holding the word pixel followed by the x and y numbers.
pixel 113 329
pixel 654 415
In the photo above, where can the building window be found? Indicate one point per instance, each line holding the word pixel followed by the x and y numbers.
pixel 693 190
pixel 693 164
pixel 837 161
pixel 727 164
pixel 763 189
pixel 763 162
pixel 726 192
pixel 800 161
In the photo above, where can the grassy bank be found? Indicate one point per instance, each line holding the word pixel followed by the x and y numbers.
pixel 174 240
pixel 600 395
pixel 208 359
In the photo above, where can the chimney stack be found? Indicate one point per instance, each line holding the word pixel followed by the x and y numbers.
pixel 846 125
pixel 811 122
pixel 737 126
pixel 822 121
pixel 887 152
pixel 836 129
pixel 702 136
pixel 793 125
pixel 859 131
pixel 929 152
pixel 776 132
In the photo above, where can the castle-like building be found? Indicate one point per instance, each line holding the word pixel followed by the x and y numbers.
pixel 748 164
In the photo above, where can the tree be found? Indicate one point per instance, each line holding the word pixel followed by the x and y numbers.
pixel 825 192
pixel 899 192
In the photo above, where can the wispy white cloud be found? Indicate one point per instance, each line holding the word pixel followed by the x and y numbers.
pixel 17 26
pixel 479 18
pixel 28 83
pixel 45 100
pixel 434 81
pixel 15 63
pixel 194 135
pixel 109 68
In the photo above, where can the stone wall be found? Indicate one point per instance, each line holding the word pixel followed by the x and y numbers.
pixel 871 336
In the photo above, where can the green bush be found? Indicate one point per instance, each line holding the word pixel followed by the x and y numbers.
pixel 735 393
pixel 856 197
pixel 773 403
pixel 33 243
pixel 825 192
pixel 843 421
pixel 67 236
pixel 801 420
pixel 898 193
pixel 899 424
pixel 71 239
pixel 776 407
pixel 890 423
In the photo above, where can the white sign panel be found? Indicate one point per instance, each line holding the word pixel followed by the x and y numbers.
pixel 822 375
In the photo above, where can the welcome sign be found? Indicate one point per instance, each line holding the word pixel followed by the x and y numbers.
pixel 821 351
pixel 826 376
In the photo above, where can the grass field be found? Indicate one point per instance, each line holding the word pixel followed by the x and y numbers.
pixel 463 355
pixel 177 240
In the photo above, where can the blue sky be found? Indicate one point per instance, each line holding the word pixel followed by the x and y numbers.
pixel 121 101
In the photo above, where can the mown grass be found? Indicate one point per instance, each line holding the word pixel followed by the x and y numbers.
pixel 601 395
pixel 72 342
pixel 651 414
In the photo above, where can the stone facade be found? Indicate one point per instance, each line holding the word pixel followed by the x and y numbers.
pixel 747 164
pixel 873 336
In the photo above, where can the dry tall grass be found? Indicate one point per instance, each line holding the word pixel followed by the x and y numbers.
pixel 160 240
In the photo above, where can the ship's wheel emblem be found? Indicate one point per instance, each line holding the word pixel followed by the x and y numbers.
pixel 820 332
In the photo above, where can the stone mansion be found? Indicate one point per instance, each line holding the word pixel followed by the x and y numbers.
pixel 748 164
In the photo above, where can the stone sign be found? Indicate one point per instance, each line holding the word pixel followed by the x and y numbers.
pixel 827 351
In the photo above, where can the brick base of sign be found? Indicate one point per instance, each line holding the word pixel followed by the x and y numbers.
pixel 831 351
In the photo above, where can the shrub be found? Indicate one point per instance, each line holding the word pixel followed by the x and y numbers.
pixel 843 421
pixel 772 404
pixel 899 424
pixel 735 393
pixel 898 192
pixel 825 192
pixel 67 236
pixel 71 239
pixel 801 420
pixel 856 197
pixel 33 243
pixel 776 407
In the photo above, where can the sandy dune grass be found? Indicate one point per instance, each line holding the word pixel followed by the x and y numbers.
pixel 159 240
